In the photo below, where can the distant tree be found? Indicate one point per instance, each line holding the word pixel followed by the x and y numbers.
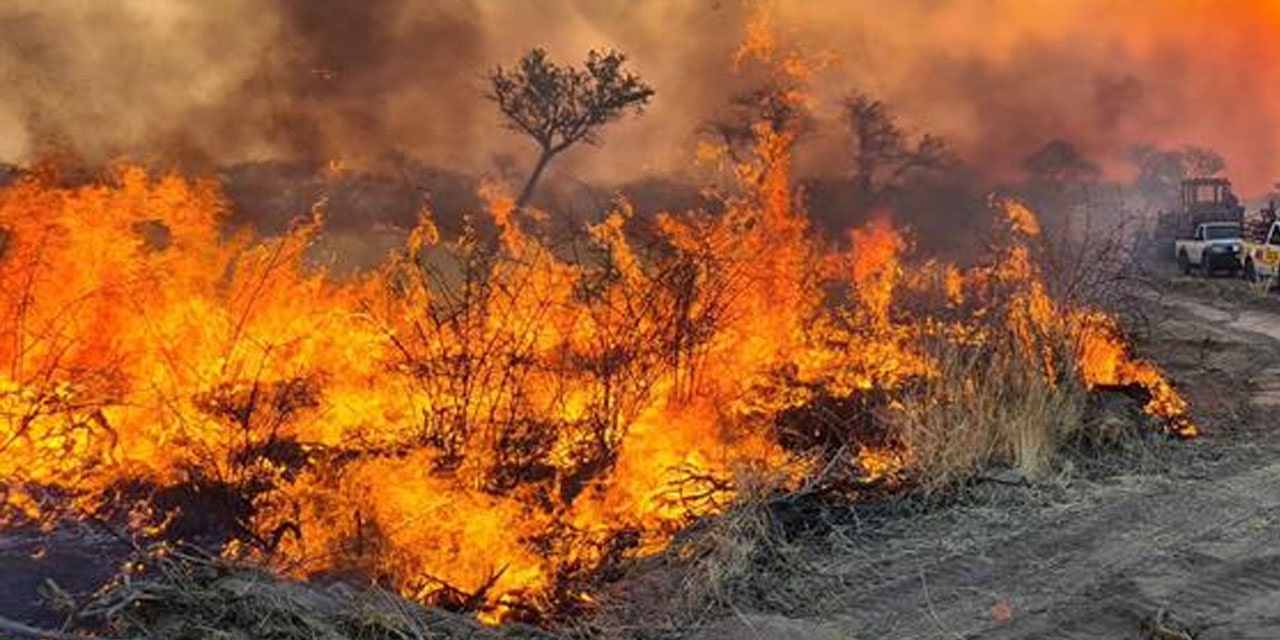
pixel 772 104
pixel 8 173
pixel 1064 188
pixel 1060 162
pixel 884 155
pixel 1160 171
pixel 559 107
pixel 1202 163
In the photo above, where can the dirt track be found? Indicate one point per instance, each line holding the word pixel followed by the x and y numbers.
pixel 1192 529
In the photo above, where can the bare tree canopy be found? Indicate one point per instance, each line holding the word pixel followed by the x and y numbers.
pixel 1161 170
pixel 560 106
pixel 772 104
pixel 1060 161
pixel 883 153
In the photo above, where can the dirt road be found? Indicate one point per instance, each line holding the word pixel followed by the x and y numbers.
pixel 1190 529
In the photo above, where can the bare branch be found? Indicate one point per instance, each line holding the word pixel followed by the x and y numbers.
pixel 883 153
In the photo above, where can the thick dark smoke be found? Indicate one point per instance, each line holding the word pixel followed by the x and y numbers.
pixel 191 81
pixel 355 78
pixel 205 83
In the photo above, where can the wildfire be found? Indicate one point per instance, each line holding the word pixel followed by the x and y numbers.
pixel 1104 361
pixel 482 423
pixel 481 434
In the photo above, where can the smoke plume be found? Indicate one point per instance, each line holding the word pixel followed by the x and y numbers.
pixel 212 83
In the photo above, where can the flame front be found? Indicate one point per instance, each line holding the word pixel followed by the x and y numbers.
pixel 479 424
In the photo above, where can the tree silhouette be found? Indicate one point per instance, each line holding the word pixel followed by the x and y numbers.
pixel 559 107
pixel 883 153
pixel 1059 161
pixel 1161 170
pixel 772 104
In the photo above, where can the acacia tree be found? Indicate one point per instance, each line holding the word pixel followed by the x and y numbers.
pixel 771 104
pixel 883 153
pixel 1059 178
pixel 559 107
pixel 1059 161
pixel 1161 170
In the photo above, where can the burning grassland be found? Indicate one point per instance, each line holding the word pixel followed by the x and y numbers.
pixel 496 423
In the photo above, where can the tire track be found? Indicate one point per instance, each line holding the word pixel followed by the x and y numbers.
pixel 1098 569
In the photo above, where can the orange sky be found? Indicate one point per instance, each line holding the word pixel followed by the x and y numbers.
pixel 253 80
pixel 998 76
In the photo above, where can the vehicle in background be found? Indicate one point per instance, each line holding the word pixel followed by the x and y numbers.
pixel 1208 200
pixel 1261 247
pixel 1214 246
pixel 1202 201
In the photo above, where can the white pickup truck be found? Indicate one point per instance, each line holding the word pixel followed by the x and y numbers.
pixel 1214 246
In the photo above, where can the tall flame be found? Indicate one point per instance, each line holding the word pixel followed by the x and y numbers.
pixel 484 422
pixel 474 421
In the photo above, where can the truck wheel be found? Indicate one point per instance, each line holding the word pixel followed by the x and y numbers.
pixel 1184 263
pixel 1250 273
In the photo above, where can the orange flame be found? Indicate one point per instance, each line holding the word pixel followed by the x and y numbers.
pixel 482 423
pixel 474 431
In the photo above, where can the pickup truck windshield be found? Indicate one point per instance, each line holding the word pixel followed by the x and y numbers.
pixel 1221 232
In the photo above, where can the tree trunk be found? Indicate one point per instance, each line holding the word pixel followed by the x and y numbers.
pixel 527 192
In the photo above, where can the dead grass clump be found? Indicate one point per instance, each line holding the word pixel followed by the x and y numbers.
pixel 744 549
pixel 741 560
pixel 187 597
pixel 985 407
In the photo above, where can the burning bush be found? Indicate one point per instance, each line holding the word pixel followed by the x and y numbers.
pixel 493 424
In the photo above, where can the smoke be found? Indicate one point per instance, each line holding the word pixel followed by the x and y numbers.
pixel 238 80
pixel 359 78
pixel 1000 78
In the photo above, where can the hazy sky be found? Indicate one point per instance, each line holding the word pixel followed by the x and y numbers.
pixel 213 82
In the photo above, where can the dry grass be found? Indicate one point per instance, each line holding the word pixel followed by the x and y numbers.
pixel 190 597
pixel 730 565
pixel 729 558
pixel 985 407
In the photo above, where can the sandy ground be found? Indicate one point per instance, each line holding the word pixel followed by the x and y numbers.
pixel 1188 529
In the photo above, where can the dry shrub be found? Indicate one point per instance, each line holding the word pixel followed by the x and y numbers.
pixel 985 406
pixel 740 560
pixel 742 549
pixel 187 597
